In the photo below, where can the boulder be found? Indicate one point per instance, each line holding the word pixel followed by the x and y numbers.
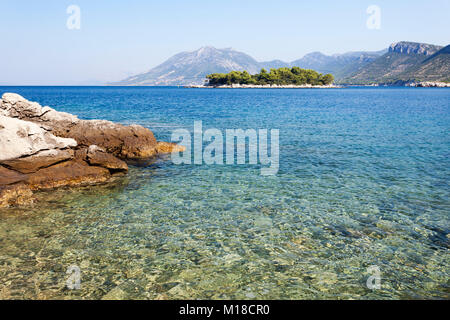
pixel 126 142
pixel 96 156
pixel 69 173
pixel 8 177
pixel 42 159
pixel 43 149
pixel 32 158
pixel 16 106
pixel 168 147
pixel 20 138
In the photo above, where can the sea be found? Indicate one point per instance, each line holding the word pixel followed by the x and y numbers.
pixel 358 209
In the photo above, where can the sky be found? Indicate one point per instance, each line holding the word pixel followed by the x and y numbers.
pixel 117 39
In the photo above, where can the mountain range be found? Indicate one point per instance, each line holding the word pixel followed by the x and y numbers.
pixel 401 62
pixel 406 62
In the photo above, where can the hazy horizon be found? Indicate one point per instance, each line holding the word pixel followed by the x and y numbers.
pixel 116 40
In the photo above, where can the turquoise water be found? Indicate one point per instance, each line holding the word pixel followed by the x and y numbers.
pixel 363 180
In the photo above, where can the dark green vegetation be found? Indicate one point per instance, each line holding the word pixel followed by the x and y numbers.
pixel 281 76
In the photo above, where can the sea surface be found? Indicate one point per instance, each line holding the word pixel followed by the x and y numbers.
pixel 363 181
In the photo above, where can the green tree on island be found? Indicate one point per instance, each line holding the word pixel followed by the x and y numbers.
pixel 281 76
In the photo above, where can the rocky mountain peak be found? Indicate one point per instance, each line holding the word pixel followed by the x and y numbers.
pixel 414 47
pixel 205 51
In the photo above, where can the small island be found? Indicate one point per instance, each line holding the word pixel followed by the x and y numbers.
pixel 294 77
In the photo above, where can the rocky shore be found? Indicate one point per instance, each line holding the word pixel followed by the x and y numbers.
pixel 268 86
pixel 42 149
pixel 429 84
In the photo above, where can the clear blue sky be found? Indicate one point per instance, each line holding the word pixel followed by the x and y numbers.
pixel 120 38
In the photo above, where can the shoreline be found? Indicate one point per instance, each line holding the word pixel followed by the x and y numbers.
pixel 268 86
pixel 425 84
pixel 428 84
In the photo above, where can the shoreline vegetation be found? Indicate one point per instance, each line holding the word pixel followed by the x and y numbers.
pixel 280 78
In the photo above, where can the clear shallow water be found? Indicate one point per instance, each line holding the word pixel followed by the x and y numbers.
pixel 363 180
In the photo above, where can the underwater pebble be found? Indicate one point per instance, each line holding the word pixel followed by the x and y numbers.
pixel 115 294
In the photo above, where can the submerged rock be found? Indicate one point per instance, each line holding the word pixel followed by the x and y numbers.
pixel 115 294
pixel 15 194
pixel 168 147
pixel 13 190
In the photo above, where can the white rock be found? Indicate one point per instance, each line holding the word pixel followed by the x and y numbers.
pixel 20 138
pixel 12 98
pixel 16 106
pixel 94 148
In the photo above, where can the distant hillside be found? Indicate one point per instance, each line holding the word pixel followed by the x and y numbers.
pixel 434 68
pixel 340 65
pixel 401 63
pixel 192 67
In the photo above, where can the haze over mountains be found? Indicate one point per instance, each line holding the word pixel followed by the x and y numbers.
pixel 402 61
